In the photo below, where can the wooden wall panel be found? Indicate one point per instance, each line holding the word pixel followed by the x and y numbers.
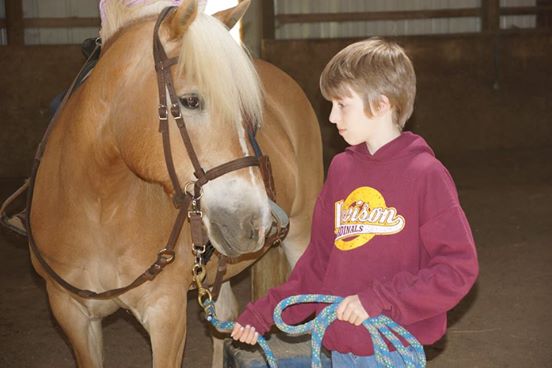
pixel 380 27
pixel 544 18
pixel 319 19
pixel 49 10
pixel 14 22
pixel 3 34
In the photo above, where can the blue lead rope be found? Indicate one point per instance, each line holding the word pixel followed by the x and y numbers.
pixel 378 327
pixel 209 308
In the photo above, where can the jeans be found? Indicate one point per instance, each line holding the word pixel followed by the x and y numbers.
pixel 349 360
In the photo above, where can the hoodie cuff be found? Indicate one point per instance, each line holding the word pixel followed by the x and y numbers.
pixel 252 318
pixel 371 303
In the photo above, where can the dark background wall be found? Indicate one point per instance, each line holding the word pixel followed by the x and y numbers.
pixel 475 92
pixel 31 76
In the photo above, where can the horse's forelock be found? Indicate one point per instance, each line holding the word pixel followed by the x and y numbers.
pixel 115 14
pixel 222 70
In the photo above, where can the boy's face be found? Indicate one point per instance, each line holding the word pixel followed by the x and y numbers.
pixel 351 120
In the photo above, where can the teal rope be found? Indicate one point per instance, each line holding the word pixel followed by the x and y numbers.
pixel 379 327
pixel 228 326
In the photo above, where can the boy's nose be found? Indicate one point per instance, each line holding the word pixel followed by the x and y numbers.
pixel 333 116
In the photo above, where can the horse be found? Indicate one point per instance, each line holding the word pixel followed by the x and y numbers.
pixel 103 198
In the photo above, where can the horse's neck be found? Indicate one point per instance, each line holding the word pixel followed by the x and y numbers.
pixel 83 154
pixel 85 173
pixel 80 156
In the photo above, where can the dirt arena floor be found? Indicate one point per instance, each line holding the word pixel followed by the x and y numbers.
pixel 505 321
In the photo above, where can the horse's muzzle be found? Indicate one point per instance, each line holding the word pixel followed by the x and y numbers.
pixel 236 233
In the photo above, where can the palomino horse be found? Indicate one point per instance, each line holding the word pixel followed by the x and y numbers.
pixel 102 205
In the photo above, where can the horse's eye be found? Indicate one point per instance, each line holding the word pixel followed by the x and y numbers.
pixel 191 102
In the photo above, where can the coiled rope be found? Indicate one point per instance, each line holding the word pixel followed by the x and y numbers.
pixel 379 327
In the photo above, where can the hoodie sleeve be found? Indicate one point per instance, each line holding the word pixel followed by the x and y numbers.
pixel 306 277
pixel 451 267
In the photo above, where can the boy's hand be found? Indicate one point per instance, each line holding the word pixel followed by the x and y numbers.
pixel 351 310
pixel 245 334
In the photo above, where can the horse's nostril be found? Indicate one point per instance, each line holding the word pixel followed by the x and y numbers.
pixel 254 234
pixel 253 222
pixel 242 230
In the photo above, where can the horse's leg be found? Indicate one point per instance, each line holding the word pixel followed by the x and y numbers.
pixel 83 330
pixel 165 320
pixel 226 308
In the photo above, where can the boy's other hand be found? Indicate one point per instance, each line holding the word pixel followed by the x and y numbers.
pixel 245 334
pixel 351 310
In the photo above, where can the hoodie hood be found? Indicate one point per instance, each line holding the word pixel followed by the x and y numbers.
pixel 407 144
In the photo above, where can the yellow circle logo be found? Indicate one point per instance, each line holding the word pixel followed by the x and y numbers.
pixel 363 215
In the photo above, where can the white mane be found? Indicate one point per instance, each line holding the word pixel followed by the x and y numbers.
pixel 221 68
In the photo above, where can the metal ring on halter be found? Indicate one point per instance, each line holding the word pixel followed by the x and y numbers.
pixel 166 255
pixel 192 183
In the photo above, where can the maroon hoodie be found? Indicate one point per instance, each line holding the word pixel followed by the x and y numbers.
pixel 388 227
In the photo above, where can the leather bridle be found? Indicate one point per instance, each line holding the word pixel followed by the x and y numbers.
pixel 165 83
pixel 183 198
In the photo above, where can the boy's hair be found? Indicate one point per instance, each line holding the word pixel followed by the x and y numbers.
pixel 371 68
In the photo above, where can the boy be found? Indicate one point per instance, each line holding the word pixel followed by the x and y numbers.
pixel 388 232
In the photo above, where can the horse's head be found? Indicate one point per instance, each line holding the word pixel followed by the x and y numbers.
pixel 219 93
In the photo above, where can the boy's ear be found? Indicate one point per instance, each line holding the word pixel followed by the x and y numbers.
pixel 383 104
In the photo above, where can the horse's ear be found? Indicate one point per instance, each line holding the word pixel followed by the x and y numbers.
pixel 232 16
pixel 183 17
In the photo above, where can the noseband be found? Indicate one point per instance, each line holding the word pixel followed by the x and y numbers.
pixel 183 198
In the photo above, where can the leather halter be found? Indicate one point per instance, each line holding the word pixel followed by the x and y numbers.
pixel 182 199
